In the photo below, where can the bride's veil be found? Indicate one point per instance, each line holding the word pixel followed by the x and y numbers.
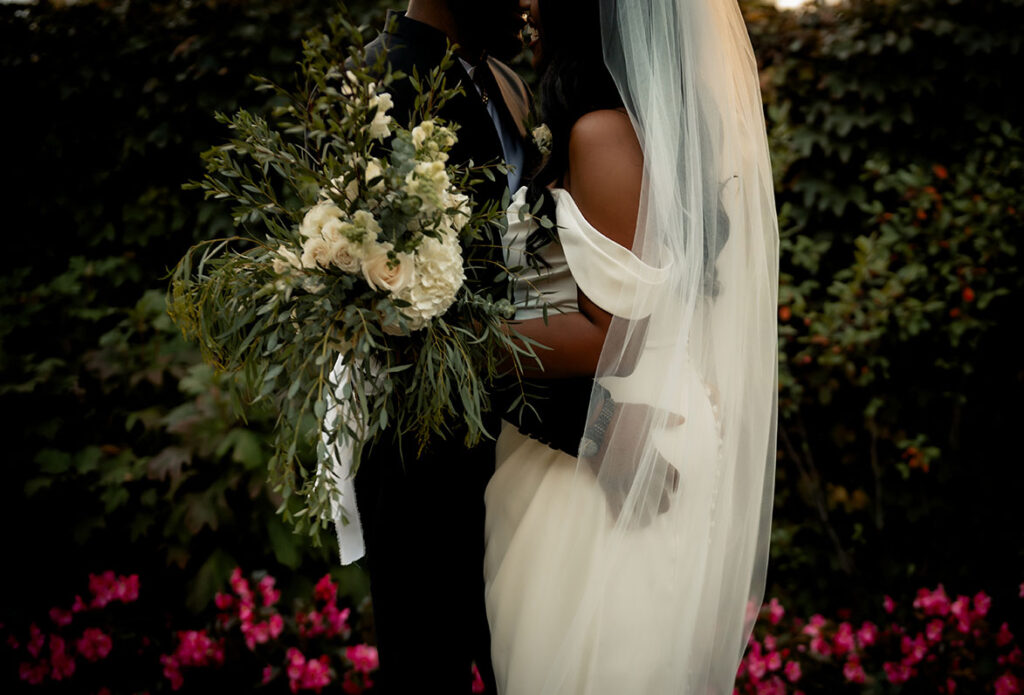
pixel 692 368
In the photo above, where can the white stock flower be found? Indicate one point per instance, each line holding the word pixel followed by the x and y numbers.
pixel 422 133
pixel 428 181
pixel 374 170
pixel 380 127
pixel 366 225
pixel 286 260
pixel 317 217
pixel 383 274
pixel 462 204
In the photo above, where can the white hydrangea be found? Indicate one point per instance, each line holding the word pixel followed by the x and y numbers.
pixel 438 277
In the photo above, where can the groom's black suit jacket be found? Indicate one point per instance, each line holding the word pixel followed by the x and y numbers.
pixel 423 512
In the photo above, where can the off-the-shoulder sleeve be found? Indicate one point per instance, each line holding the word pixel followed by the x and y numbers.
pixel 609 274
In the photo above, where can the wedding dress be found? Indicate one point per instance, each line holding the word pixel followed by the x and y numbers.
pixel 535 580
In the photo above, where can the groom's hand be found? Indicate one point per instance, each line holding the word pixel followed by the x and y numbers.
pixel 610 446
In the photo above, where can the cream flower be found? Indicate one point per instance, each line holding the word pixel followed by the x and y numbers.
pixel 286 260
pixel 317 217
pixel 374 170
pixel 428 181
pixel 542 138
pixel 366 225
pixel 384 274
pixel 422 133
pixel 316 252
pixel 439 275
pixel 380 126
pixel 343 253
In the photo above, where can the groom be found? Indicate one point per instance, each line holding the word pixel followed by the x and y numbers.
pixel 423 513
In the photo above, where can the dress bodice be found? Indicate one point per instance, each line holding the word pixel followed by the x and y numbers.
pixel 580 258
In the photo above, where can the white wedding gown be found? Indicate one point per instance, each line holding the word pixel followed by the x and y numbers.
pixel 549 634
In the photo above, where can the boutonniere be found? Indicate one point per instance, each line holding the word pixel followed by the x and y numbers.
pixel 542 139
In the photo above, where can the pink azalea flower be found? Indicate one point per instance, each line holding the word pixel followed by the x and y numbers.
pixel 982 602
pixel 770 642
pixel 325 590
pixel 224 601
pixel 316 675
pixel 1007 684
pixel 844 639
pixel 33 674
pixel 867 634
pixel 888 604
pixel 94 644
pixel 932 602
pixel 792 671
pixel 240 585
pixel 337 621
pixel 478 681
pixel 897 673
pixel 775 611
pixel 853 671
pixel 1004 636
pixel 934 630
pixel 36 640
pixel 772 686
pixel 820 646
pixel 60 617
pixel 268 592
pixel 276 625
pixel 756 667
pixel 63 665
pixel 363 657
pixel 172 671
pixel 915 649
pixel 961 609
pixel 773 661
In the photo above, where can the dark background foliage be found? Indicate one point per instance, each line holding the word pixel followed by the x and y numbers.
pixel 895 131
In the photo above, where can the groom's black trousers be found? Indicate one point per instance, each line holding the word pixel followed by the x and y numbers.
pixel 423 522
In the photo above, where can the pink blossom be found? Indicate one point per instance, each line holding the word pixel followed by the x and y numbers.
pixel 240 585
pixel 934 630
pixel 268 592
pixel 1015 656
pixel 196 648
pixel 867 634
pixel 770 642
pixel 33 674
pixel 325 590
pixel 961 609
pixel 820 646
pixel 1004 636
pixel 172 671
pixel 775 611
pixel 255 633
pixel 224 601
pixel 897 673
pixel 109 587
pixel 933 602
pixel 756 667
pixel 792 671
pixel 296 664
pixel 337 621
pixel 478 681
pixel 317 674
pixel 1007 684
pixel 350 686
pixel 888 604
pixel 853 671
pixel 94 644
pixel 772 686
pixel 268 674
pixel 982 602
pixel 363 657
pixel 844 639
pixel 773 661
pixel 60 617
pixel 79 605
pixel 276 625
pixel 814 626
pixel 36 640
pixel 915 649
pixel 63 665
pixel 950 686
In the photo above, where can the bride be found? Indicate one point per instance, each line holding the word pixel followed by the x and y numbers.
pixel 628 553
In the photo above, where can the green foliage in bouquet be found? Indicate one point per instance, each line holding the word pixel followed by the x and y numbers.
pixel 355 227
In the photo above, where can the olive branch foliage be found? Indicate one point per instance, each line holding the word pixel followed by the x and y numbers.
pixel 281 343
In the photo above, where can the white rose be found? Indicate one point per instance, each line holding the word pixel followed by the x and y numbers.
pixel 317 217
pixel 344 253
pixel 383 274
pixel 316 252
pixel 380 126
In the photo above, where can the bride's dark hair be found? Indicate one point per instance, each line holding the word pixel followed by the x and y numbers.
pixel 574 81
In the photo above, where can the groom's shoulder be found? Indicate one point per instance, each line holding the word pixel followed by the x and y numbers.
pixel 512 80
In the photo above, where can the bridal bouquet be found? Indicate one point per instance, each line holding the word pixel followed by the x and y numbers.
pixel 355 235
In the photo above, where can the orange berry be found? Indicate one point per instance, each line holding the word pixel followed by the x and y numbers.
pixel 968 294
pixel 784 313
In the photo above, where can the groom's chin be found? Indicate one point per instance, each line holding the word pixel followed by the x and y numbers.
pixel 493 26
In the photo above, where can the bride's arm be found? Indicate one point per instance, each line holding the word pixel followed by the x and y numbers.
pixel 604 179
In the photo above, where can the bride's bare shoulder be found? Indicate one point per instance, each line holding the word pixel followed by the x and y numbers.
pixel 605 172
